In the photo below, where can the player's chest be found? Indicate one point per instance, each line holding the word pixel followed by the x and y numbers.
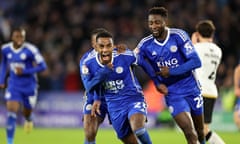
pixel 18 56
pixel 158 52
pixel 119 71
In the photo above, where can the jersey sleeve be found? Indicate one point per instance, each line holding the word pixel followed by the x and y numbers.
pixel 188 51
pixel 91 79
pixel 39 60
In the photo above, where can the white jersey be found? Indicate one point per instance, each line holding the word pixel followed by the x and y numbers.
pixel 210 55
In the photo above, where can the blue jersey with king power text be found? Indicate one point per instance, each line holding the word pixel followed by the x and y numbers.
pixel 176 52
pixel 120 86
pixel 26 57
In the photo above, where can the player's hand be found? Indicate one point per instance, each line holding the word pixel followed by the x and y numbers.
pixel 2 86
pixel 162 88
pixel 109 65
pixel 121 48
pixel 164 72
pixel 18 71
pixel 96 108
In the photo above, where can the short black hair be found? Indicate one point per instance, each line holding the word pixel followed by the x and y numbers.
pixel 17 29
pixel 205 28
pixel 104 34
pixel 97 30
pixel 158 11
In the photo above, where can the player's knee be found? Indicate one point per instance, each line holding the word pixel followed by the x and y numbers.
pixel 90 135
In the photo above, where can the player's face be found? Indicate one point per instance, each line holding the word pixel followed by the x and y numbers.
pixel 156 24
pixel 105 48
pixel 18 37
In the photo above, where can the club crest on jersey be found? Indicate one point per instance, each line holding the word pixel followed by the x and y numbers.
pixel 119 69
pixel 88 107
pixel 9 56
pixel 23 56
pixel 173 48
pixel 85 69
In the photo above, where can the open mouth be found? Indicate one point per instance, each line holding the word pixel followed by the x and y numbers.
pixel 106 57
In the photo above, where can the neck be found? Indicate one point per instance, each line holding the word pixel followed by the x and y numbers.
pixel 163 35
pixel 201 39
pixel 15 46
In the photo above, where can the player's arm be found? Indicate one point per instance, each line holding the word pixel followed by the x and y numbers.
pixel 191 63
pixel 39 67
pixel 140 61
pixel 3 70
pixel 236 79
pixel 90 80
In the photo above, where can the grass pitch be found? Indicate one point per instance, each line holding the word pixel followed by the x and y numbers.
pixel 105 136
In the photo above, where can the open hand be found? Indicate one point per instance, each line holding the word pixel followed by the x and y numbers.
pixel 162 88
pixel 96 108
pixel 18 71
pixel 164 72
pixel 2 86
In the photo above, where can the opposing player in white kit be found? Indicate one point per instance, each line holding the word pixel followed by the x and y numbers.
pixel 210 55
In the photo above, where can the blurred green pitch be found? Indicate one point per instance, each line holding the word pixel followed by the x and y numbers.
pixel 105 136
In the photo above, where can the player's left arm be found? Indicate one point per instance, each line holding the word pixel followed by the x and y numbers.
pixel 192 60
pixel 39 67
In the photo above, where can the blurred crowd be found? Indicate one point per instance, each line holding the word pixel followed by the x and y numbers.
pixel 61 30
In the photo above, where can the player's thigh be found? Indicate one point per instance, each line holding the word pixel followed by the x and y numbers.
pixel 13 106
pixel 137 114
pixel 120 123
pixel 13 100
pixel 137 121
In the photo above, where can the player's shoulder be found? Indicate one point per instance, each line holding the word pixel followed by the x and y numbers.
pixel 201 46
pixel 179 33
pixel 146 40
pixel 31 47
pixel 88 57
pixel 127 52
pixel 6 45
pixel 86 54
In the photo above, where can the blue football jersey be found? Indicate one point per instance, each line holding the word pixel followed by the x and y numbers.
pixel 86 82
pixel 28 58
pixel 173 52
pixel 119 85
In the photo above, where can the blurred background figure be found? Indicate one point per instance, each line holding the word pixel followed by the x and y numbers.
pixel 20 62
pixel 237 94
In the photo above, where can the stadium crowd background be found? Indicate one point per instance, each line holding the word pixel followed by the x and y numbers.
pixel 61 30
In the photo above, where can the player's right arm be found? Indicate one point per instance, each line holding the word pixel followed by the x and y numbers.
pixel 91 78
pixel 162 88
